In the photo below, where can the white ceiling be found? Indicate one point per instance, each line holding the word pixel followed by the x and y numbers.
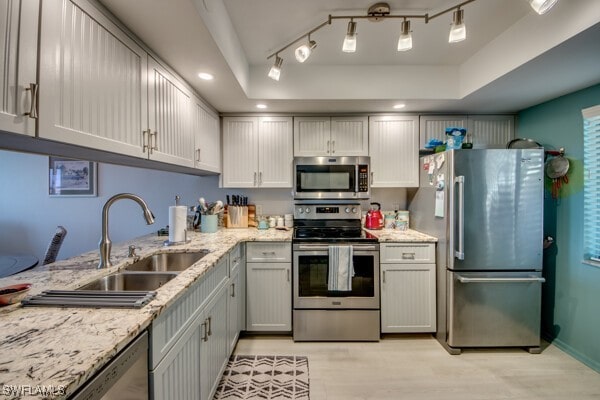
pixel 512 58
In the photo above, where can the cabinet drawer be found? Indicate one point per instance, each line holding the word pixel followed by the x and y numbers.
pixel 269 252
pixel 408 253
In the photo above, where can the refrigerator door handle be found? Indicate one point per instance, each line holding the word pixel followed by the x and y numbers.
pixel 460 253
pixel 463 279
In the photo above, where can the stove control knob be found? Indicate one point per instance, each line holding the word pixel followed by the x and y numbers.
pixel 347 210
pixel 301 210
pixel 307 210
pixel 353 210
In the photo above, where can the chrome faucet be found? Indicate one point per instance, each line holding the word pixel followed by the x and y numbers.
pixel 105 243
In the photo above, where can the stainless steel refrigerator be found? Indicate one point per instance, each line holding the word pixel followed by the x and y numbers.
pixel 486 208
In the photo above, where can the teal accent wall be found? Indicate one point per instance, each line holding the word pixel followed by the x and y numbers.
pixel 571 294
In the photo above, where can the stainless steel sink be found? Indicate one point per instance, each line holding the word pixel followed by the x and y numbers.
pixel 124 281
pixel 167 262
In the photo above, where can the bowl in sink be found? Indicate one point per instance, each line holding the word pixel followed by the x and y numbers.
pixel 123 281
pixel 167 262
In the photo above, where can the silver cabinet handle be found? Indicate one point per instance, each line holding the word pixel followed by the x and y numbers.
pixel 260 178
pixel 463 279
pixel 266 253
pixel 198 155
pixel 460 253
pixel 209 326
pixel 233 289
pixel 155 147
pixel 288 274
pixel 33 109
pixel 254 178
pixel 204 332
pixel 383 276
pixel 328 146
pixel 371 177
pixel 333 147
pixel 408 256
pixel 145 146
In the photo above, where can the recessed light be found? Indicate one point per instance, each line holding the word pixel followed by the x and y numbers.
pixel 261 106
pixel 398 106
pixel 206 76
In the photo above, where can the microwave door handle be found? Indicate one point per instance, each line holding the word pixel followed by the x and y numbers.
pixel 356 179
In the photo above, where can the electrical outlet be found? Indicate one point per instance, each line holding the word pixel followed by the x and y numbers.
pixel 259 210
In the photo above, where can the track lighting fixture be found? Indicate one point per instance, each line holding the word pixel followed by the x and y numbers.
pixel 275 70
pixel 303 52
pixel 379 12
pixel 405 40
pixel 458 31
pixel 542 6
pixel 349 45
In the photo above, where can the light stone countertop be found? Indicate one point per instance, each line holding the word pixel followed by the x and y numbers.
pixel 61 348
pixel 410 235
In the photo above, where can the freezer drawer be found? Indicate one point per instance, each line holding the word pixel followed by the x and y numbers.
pixel 494 309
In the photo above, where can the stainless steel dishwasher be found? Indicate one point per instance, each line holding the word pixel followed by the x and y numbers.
pixel 124 377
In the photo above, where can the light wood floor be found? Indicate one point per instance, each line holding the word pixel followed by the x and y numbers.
pixel 418 368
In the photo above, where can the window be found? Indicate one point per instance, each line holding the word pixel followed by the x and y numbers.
pixel 591 192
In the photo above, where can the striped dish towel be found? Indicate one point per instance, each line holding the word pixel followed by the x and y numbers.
pixel 341 268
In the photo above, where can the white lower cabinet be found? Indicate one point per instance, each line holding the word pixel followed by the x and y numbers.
pixel 236 306
pixel 408 288
pixel 189 342
pixel 269 287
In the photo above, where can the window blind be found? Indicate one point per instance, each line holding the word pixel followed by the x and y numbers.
pixel 591 193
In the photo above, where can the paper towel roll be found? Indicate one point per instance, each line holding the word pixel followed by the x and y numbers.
pixel 177 223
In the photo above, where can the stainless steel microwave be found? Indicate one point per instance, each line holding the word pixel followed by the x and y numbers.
pixel 331 178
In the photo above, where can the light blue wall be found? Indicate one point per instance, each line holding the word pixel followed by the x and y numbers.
pixel 28 216
pixel 571 296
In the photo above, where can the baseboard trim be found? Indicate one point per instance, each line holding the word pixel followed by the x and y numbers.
pixel 595 365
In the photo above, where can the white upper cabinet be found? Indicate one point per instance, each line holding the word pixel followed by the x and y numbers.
pixel 93 83
pixel 18 46
pixel 394 150
pixel 207 137
pixel 169 112
pixel 485 131
pixel 331 136
pixel 257 152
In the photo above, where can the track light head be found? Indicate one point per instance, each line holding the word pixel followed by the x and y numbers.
pixel 275 70
pixel 542 6
pixel 304 51
pixel 458 31
pixel 405 40
pixel 349 45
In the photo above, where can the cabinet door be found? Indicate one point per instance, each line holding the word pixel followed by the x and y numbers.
pixel 408 298
pixel 18 47
pixel 491 131
pixel 234 310
pixel 394 151
pixel 275 152
pixel 240 152
pixel 93 80
pixel 434 126
pixel 207 137
pixel 169 111
pixel 214 350
pixel 312 136
pixel 177 376
pixel 349 136
pixel 268 297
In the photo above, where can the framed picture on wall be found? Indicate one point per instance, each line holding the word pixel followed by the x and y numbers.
pixel 71 177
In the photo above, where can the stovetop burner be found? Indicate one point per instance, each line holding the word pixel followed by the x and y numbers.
pixel 332 234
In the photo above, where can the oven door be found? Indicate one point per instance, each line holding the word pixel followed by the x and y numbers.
pixel 311 268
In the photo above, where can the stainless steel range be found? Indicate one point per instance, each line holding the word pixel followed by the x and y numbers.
pixel 322 312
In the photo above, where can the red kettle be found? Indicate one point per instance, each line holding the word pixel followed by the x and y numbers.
pixel 374 219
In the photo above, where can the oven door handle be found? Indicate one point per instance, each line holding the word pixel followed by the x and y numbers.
pixel 356 247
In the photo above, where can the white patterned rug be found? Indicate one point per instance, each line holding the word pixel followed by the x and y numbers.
pixel 264 377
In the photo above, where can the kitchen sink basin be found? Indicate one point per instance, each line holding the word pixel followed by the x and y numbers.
pixel 124 281
pixel 167 262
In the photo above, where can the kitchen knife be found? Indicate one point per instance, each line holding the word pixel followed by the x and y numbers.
pixel 227 197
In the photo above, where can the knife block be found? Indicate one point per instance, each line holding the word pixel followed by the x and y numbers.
pixel 243 217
